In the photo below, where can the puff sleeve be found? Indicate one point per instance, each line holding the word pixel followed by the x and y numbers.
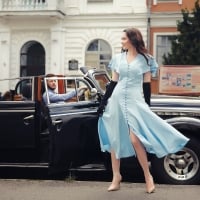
pixel 153 66
pixel 143 64
pixel 115 63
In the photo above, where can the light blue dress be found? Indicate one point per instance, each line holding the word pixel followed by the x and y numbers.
pixel 126 109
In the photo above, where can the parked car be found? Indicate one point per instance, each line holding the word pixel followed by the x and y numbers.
pixel 62 136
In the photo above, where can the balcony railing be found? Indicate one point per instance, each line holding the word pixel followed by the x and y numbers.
pixel 30 5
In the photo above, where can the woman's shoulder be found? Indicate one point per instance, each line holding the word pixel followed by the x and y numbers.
pixel 147 58
pixel 119 55
pixel 117 58
pixel 115 62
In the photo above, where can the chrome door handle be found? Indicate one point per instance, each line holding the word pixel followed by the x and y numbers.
pixel 55 122
pixel 29 117
pixel 27 120
pixel 58 123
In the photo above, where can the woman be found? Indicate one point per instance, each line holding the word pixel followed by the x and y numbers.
pixel 126 124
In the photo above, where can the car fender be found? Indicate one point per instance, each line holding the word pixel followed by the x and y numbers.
pixel 189 126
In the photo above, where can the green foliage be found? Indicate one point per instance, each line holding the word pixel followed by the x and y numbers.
pixel 186 46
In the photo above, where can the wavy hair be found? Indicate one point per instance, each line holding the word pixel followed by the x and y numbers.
pixel 136 39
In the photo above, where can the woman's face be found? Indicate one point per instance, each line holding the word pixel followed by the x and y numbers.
pixel 126 44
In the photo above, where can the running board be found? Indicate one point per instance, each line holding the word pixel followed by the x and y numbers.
pixel 89 167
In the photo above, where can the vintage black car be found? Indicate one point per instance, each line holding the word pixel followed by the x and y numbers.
pixel 63 136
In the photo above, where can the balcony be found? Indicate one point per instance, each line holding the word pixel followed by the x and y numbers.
pixel 32 7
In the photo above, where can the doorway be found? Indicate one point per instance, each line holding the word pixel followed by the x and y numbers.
pixel 32 59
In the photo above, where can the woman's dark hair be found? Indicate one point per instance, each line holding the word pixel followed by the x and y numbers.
pixel 136 39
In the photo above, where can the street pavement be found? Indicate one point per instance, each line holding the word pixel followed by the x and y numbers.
pixel 21 189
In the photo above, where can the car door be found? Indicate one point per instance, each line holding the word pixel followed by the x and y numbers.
pixel 18 126
pixel 73 129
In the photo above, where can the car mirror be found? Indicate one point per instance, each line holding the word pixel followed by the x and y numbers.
pixel 93 92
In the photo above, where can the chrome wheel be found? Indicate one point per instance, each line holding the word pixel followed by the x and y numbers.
pixel 183 165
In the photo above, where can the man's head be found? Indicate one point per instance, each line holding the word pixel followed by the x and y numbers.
pixel 51 83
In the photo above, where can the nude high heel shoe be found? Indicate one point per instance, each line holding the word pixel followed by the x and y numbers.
pixel 150 187
pixel 115 185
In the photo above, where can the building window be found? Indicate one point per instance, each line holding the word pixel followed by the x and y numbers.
pixel 98 54
pixel 163 46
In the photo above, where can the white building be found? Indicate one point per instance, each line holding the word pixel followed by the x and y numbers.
pixel 50 36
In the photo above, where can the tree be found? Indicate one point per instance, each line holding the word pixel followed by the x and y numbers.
pixel 186 46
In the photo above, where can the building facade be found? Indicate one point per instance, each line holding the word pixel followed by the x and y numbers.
pixel 59 36
pixel 163 16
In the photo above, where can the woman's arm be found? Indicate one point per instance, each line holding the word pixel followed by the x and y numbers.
pixel 109 89
pixel 147 87
pixel 115 76
pixel 147 77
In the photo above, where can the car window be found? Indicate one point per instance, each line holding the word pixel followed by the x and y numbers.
pixel 16 89
pixel 69 89
pixel 102 80
pixel 24 88
pixel 84 91
pixel 82 88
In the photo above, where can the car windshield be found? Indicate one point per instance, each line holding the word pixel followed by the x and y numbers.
pixel 102 80
pixel 66 89
pixel 16 89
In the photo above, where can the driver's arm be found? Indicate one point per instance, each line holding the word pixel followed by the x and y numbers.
pixel 53 97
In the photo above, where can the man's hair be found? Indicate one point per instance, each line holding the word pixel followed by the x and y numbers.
pixel 50 75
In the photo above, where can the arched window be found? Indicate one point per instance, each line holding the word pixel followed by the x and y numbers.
pixel 98 54
pixel 32 59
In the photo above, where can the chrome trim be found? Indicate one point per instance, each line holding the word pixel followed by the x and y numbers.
pixel 72 113
pixel 25 165
pixel 183 119
pixel 177 114
pixel 176 111
pixel 9 111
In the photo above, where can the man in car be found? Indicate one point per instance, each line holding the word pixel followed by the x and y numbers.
pixel 55 97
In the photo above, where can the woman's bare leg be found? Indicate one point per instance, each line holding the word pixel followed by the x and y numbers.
pixel 115 185
pixel 142 158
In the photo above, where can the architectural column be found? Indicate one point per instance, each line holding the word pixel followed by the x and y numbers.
pixel 5 56
pixel 57 50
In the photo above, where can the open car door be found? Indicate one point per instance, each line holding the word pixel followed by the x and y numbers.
pixel 73 127
pixel 18 125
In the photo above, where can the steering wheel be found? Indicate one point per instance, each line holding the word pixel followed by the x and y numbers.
pixel 81 93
